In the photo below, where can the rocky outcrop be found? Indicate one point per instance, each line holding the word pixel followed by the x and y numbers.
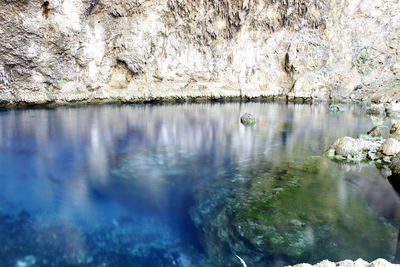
pixel 354 150
pixel 371 147
pixel 91 50
pixel 395 131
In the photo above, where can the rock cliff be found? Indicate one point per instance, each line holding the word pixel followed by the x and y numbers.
pixel 134 50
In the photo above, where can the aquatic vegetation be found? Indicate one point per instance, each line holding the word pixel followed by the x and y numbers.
pixel 292 211
pixel 131 185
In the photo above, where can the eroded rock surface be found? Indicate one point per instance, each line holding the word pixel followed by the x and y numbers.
pixel 371 147
pixel 90 50
pixel 354 150
pixel 390 147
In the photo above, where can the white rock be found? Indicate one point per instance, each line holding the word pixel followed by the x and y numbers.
pixel 349 263
pixel 390 147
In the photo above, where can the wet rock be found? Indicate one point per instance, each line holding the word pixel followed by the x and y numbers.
pixel 336 108
pixel 395 165
pixel 356 150
pixel 395 131
pixel 386 172
pixel 375 132
pixel 247 119
pixel 376 109
pixel 27 261
pixel 393 110
pixel 390 147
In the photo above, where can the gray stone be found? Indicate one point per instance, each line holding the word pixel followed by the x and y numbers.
pixel 395 165
pixel 351 149
pixel 395 131
pixel 247 119
pixel 375 109
pixel 336 108
pixel 375 132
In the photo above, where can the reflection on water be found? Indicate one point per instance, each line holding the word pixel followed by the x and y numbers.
pixel 187 185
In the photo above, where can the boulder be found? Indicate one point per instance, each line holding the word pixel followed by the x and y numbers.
pixel 375 132
pixel 390 147
pixel 348 148
pixel 247 119
pixel 336 108
pixel 393 110
pixel 395 165
pixel 376 109
pixel 395 131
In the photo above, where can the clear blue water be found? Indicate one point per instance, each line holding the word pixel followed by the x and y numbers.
pixel 145 185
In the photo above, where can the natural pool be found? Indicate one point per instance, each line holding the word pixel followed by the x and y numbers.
pixel 188 185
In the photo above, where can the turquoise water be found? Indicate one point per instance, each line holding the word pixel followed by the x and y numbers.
pixel 188 185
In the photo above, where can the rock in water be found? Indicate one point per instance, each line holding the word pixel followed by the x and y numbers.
pixel 395 165
pixel 390 147
pixel 355 150
pixel 393 110
pixel 376 109
pixel 247 119
pixel 375 132
pixel 336 108
pixel 395 131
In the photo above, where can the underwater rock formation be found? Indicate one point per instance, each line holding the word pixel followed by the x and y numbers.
pixel 115 50
pixel 272 218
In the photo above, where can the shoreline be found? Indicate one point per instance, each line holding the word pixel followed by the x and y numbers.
pixel 177 99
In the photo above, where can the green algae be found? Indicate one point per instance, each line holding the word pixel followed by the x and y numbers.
pixel 294 210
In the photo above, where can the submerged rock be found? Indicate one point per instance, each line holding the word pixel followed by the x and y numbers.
pixel 390 147
pixel 27 261
pixel 281 211
pixel 247 119
pixel 336 108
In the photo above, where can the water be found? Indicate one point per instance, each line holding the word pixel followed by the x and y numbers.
pixel 188 185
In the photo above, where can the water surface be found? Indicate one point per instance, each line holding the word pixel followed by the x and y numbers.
pixel 188 185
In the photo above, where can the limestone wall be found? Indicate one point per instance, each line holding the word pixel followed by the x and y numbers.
pixel 132 50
